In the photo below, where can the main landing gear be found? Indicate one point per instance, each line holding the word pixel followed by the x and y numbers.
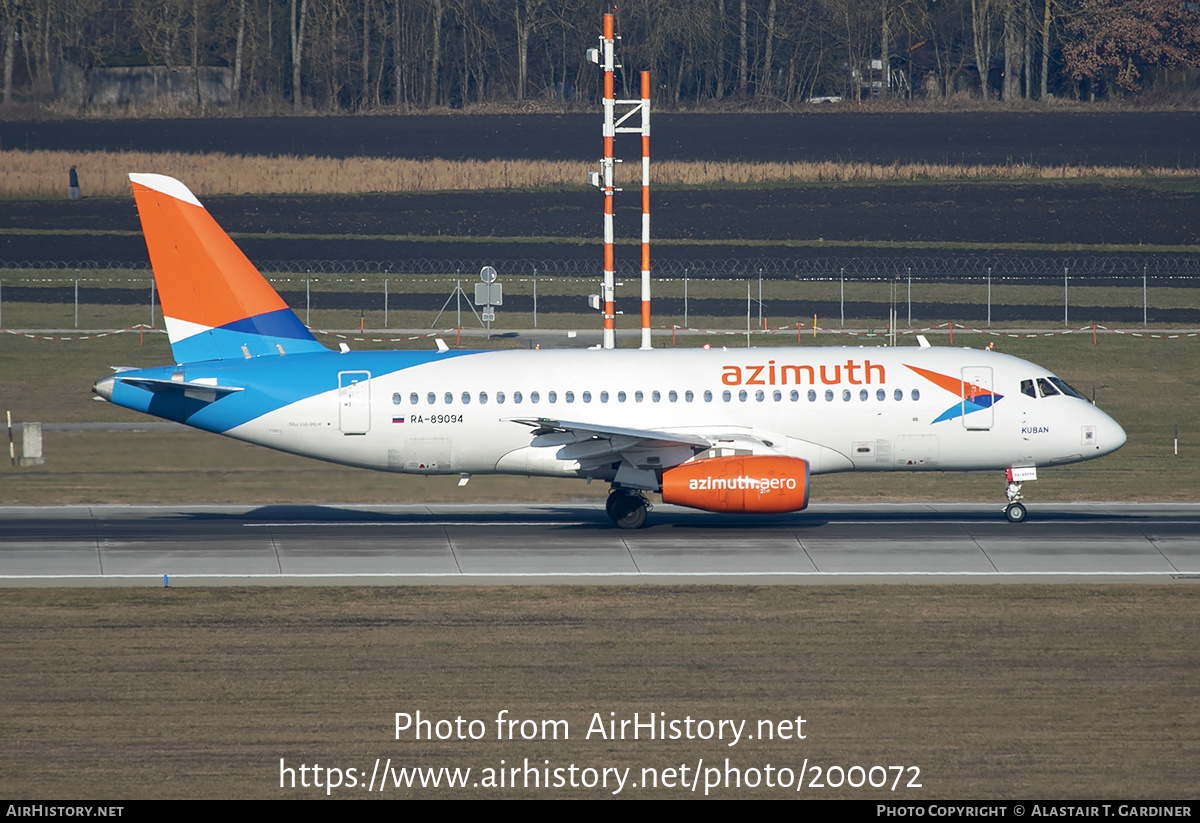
pixel 1015 510
pixel 627 508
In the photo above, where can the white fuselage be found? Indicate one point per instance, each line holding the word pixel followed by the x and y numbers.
pixel 840 409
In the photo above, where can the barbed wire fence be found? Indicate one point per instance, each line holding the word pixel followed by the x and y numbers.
pixel 851 287
pixel 865 267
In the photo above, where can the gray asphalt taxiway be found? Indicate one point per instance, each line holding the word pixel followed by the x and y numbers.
pixel 576 543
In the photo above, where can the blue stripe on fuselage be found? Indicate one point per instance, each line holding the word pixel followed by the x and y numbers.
pixel 259 334
pixel 270 383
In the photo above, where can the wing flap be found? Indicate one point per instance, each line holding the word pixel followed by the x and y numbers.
pixel 592 443
pixel 543 426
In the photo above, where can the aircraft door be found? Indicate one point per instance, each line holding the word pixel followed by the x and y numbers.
pixel 354 402
pixel 977 398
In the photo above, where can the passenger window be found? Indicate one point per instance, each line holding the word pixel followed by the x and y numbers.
pixel 688 396
pixel 862 394
pixel 517 397
pixel 483 397
pixel 620 397
pixel 726 396
pixel 552 397
pixel 638 397
pixel 432 398
pixel 845 395
pixel 742 395
pixel 534 397
pixel 760 395
pixel 916 394
pixel 656 395
pixel 466 397
pixel 899 394
pixel 414 398
pixel 396 399
pixel 707 396
pixel 1027 388
pixel 449 399
pixel 500 397
pixel 812 395
pixel 829 395
pixel 673 396
pixel 603 397
pixel 587 397
pixel 570 397
pixel 881 395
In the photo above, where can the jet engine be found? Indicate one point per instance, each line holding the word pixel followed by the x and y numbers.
pixel 757 484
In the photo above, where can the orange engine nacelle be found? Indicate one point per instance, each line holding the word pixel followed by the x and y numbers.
pixel 758 484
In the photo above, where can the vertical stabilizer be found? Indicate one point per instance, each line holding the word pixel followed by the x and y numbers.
pixel 216 304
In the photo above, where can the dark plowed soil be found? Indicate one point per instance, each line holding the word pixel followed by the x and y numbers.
pixel 1050 138
pixel 999 214
pixel 706 225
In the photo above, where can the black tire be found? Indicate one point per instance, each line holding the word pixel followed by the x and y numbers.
pixel 1015 512
pixel 634 515
pixel 627 510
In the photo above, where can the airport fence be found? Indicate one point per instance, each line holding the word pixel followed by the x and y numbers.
pixel 716 293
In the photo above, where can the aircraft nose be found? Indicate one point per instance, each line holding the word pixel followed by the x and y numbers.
pixel 1117 435
pixel 104 387
pixel 1111 435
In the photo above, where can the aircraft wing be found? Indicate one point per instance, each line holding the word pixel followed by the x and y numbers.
pixel 590 442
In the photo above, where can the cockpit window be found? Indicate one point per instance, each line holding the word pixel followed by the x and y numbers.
pixel 1027 388
pixel 1046 388
pixel 1066 389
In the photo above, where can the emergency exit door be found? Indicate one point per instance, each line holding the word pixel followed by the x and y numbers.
pixel 354 402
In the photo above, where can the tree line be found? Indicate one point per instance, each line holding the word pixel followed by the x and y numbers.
pixel 356 55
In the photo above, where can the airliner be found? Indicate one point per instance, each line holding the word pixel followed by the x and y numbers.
pixel 722 430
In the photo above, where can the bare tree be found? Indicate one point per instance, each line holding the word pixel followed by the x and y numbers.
pixel 765 85
pixel 981 27
pixel 743 54
pixel 1014 42
pixel 237 59
pixel 525 16
pixel 10 47
pixel 1046 17
pixel 435 52
pixel 297 32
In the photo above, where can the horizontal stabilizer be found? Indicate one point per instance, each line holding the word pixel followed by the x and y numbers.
pixel 156 385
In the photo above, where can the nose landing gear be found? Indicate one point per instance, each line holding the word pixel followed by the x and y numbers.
pixel 1014 511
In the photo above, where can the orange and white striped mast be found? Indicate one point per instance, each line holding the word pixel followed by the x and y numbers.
pixel 612 127
pixel 607 164
pixel 645 210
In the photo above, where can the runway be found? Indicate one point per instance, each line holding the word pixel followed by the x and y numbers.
pixel 575 543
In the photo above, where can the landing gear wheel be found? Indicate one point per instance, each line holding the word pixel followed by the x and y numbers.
pixel 627 509
pixel 1015 512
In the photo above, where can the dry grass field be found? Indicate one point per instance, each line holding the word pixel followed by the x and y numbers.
pixel 991 691
pixel 37 173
